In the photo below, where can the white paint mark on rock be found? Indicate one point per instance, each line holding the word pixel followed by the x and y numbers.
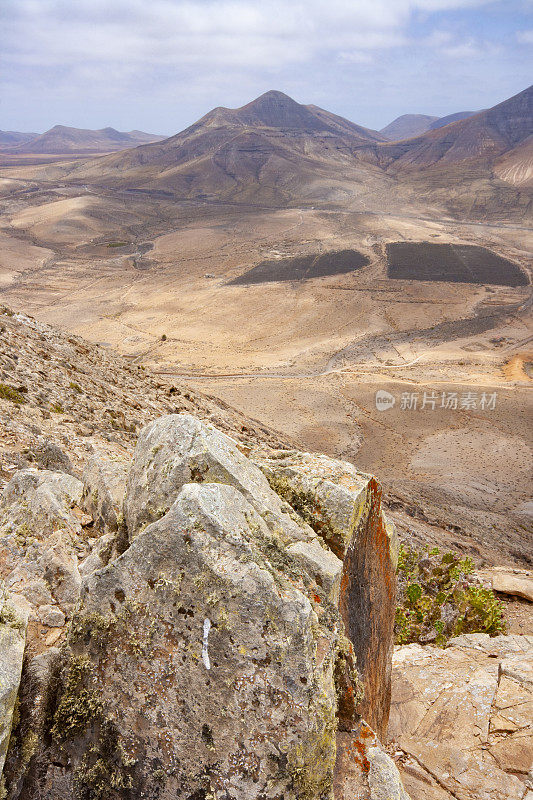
pixel 205 652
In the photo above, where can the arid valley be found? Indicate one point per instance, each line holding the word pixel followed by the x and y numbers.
pixel 153 261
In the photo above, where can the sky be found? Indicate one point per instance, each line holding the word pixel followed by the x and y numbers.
pixel 160 65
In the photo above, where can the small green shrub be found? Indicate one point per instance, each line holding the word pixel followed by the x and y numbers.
pixel 75 387
pixel 10 393
pixel 57 408
pixel 437 599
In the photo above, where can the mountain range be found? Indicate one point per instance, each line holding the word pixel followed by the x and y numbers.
pixel 482 138
pixel 62 139
pixel 278 152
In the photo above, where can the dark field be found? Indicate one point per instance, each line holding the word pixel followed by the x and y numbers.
pixel 301 268
pixel 457 263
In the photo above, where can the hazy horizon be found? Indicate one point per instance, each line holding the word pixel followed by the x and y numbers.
pixel 160 68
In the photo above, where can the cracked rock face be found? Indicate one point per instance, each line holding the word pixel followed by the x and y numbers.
pixel 40 538
pixel 178 449
pixel 12 641
pixel 212 658
pixel 215 667
pixel 343 506
pixel 462 717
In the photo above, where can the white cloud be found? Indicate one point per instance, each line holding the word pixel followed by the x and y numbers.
pixel 230 32
pixel 525 37
pixel 168 61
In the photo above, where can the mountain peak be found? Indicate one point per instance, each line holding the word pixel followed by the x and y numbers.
pixel 274 109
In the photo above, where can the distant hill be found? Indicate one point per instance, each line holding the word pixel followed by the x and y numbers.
pixel 481 138
pixel 14 138
pixel 442 121
pixel 62 139
pixel 408 125
pixel 264 152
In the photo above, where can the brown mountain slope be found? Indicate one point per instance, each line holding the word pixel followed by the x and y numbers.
pixel 481 138
pixel 63 392
pixel 516 166
pixel 449 118
pixel 62 139
pixel 270 151
pixel 15 138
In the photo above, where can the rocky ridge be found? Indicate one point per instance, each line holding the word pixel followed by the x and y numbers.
pixel 159 551
pixel 213 596
pixel 151 562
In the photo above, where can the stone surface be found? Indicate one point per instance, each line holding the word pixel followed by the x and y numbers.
pixel 364 770
pixel 104 488
pixel 52 616
pixel 215 665
pixel 343 506
pixel 178 449
pixel 12 641
pixel 41 537
pixel 207 656
pixel 513 582
pixel 463 717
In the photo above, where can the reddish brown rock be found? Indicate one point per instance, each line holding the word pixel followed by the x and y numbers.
pixel 344 507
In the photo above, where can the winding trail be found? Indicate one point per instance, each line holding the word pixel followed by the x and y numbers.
pixel 285 375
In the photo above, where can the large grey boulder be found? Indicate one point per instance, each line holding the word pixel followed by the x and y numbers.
pixel 343 506
pixel 41 537
pixel 216 657
pixel 12 641
pixel 179 449
pixel 203 651
pixel 40 501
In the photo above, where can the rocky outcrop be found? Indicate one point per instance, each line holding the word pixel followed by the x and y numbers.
pixel 215 657
pixel 509 581
pixel 462 718
pixel 41 540
pixel 178 449
pixel 104 487
pixel 344 507
pixel 12 640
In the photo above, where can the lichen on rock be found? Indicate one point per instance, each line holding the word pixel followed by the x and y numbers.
pixel 215 656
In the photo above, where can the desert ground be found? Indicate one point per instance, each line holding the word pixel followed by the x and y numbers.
pixel 164 281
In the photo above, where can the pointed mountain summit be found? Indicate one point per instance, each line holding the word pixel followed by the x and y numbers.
pixel 266 152
pixel 277 110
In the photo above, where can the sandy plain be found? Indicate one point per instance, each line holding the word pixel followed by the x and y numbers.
pixel 149 277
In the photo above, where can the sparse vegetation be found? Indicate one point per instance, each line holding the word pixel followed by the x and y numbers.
pixel 10 393
pixel 438 599
pixel 79 704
